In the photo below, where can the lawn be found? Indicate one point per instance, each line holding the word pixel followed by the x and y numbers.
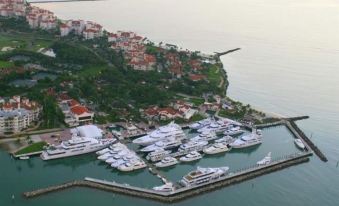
pixel 213 74
pixel 35 147
pixel 6 64
pixel 197 101
pixel 91 71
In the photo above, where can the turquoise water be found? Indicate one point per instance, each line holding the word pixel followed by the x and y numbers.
pixel 288 65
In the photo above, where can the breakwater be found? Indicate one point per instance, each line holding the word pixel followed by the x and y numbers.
pixel 179 193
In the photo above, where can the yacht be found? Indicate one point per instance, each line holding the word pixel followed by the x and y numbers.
pixel 163 144
pixel 75 146
pixel 267 160
pixel 203 175
pixel 217 127
pixel 168 187
pixel 216 148
pixel 157 155
pixel 247 140
pixel 166 162
pixel 192 146
pixel 234 131
pixel 171 130
pixel 192 156
pixel 206 136
pixel 200 124
pixel 111 153
pixel 299 144
pixel 132 165
pixel 225 139
pixel 103 151
pixel 124 159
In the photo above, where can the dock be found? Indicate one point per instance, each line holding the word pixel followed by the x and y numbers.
pixel 179 193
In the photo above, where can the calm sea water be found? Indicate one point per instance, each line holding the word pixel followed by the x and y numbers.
pixel 288 65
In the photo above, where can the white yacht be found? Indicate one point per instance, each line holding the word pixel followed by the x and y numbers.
pixel 132 165
pixel 163 144
pixel 216 148
pixel 192 146
pixel 192 156
pixel 203 175
pixel 166 162
pixel 299 144
pixel 111 153
pixel 202 123
pixel 126 158
pixel 75 146
pixel 247 140
pixel 234 131
pixel 172 130
pixel 168 187
pixel 217 127
pixel 267 160
pixel 103 151
pixel 206 136
pixel 157 155
pixel 225 139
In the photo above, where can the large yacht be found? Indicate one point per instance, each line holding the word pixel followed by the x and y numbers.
pixel 166 162
pixel 132 165
pixel 75 146
pixel 202 123
pixel 225 139
pixel 216 148
pixel 171 130
pixel 157 155
pixel 217 127
pixel 192 146
pixel 163 144
pixel 248 140
pixel 203 175
pixel 234 131
pixel 206 136
pixel 192 156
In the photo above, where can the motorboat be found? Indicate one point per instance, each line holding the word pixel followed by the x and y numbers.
pixel 75 146
pixel 166 162
pixel 299 144
pixel 24 157
pixel 234 131
pixel 200 124
pixel 192 156
pixel 247 140
pixel 163 144
pixel 192 146
pixel 168 187
pixel 205 136
pixel 267 160
pixel 157 155
pixel 216 148
pixel 225 139
pixel 172 130
pixel 103 151
pixel 132 165
pixel 123 160
pixel 217 127
pixel 203 175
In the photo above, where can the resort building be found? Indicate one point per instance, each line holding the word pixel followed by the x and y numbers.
pixel 17 114
pixel 40 18
pixel 12 8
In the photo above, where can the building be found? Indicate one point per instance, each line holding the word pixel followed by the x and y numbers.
pixel 18 114
pixel 12 8
pixel 40 18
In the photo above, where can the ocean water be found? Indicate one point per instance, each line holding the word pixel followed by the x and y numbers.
pixel 288 65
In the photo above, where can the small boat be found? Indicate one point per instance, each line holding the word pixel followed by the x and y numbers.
pixel 103 151
pixel 267 160
pixel 216 148
pixel 168 187
pixel 24 157
pixel 192 156
pixel 299 144
pixel 166 162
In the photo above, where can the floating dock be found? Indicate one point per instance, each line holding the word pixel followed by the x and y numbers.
pixel 179 193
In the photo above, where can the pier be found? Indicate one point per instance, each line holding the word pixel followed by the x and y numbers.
pixel 179 193
pixel 219 54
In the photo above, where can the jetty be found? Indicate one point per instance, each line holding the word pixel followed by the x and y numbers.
pixel 219 54
pixel 179 193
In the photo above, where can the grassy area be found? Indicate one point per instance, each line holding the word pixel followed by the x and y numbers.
pixel 197 117
pixel 91 71
pixel 197 101
pixel 213 74
pixel 35 147
pixel 5 64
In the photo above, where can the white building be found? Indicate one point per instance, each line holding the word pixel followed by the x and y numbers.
pixel 17 115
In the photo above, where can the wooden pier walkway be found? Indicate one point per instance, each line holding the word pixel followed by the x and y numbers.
pixel 183 192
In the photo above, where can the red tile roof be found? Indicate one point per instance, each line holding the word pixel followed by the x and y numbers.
pixel 79 110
